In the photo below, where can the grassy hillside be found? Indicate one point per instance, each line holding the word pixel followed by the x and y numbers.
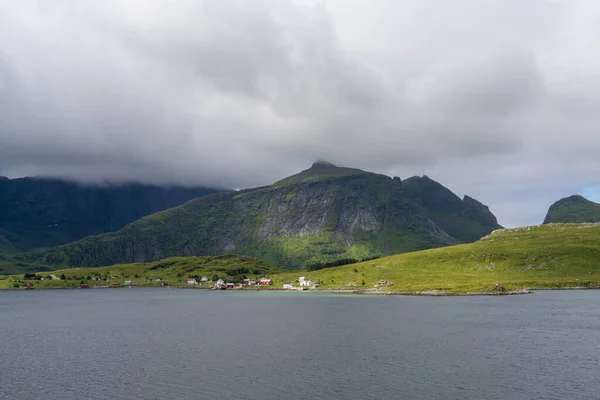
pixel 174 271
pixel 574 209
pixel 547 256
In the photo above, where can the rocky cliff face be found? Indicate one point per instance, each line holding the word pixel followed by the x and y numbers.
pixel 47 212
pixel 573 209
pixel 322 214
pixel 466 220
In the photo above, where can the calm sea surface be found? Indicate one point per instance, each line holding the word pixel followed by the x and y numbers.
pixel 192 344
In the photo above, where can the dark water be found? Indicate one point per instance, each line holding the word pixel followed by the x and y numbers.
pixel 190 344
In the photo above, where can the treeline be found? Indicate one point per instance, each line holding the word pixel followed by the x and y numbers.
pixel 336 263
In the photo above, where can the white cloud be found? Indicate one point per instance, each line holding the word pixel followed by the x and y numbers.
pixel 496 99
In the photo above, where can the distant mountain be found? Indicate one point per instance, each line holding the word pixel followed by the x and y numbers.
pixel 321 215
pixel 575 209
pixel 37 212
pixel 466 220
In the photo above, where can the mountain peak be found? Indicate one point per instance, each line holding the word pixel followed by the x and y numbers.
pixel 323 164
pixel 573 209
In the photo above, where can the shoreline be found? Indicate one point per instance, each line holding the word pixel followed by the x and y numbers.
pixel 367 292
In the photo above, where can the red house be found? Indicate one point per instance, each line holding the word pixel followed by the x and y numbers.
pixel 265 282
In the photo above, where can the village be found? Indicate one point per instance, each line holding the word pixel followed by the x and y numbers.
pixel 303 283
pixel 200 282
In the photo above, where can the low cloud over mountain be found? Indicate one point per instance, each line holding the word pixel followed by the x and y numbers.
pixel 499 99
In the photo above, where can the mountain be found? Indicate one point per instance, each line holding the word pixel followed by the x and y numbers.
pixel 321 215
pixel 37 212
pixel 573 209
pixel 466 220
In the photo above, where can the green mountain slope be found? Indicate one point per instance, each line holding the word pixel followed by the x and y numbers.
pixel 322 214
pixel 6 246
pixel 48 212
pixel 546 256
pixel 573 209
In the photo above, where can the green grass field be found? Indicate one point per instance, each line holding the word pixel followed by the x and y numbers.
pixel 547 256
pixel 174 271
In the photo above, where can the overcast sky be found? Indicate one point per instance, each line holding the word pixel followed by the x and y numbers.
pixel 499 100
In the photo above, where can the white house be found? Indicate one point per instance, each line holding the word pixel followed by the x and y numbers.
pixel 53 277
pixel 192 281
pixel 204 279
pixel 304 282
pixel 287 285
pixel 220 284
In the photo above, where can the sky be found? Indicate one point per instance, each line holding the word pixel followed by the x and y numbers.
pixel 497 99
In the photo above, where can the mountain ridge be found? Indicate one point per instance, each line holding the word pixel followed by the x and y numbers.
pixel 321 214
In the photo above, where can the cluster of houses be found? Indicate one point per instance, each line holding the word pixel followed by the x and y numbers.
pixel 222 285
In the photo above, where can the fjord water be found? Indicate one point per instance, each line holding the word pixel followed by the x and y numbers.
pixel 192 344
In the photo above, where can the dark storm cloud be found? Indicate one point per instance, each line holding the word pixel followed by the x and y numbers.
pixel 497 99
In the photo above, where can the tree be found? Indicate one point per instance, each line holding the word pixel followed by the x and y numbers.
pixel 215 277
pixel 63 277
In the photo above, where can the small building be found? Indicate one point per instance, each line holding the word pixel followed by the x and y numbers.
pixel 221 284
pixel 288 285
pixel 115 283
pixel 230 285
pixel 304 282
pixel 251 283
pixel 265 282
pixel 95 278
pixel 99 285
pixel 204 279
pixel 352 283
pixel 192 281
pixel 53 277
pixel 128 282
pixel 159 279
pixel 83 286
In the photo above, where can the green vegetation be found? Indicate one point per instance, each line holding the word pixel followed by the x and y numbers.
pixel 175 271
pixel 574 209
pixel 548 256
